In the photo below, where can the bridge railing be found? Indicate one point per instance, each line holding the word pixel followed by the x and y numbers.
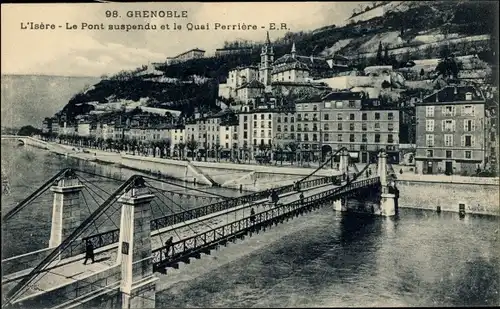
pixel 185 247
pixel 113 236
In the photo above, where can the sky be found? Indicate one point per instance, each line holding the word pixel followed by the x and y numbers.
pixel 97 52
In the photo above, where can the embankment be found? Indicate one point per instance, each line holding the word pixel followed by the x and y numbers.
pixel 479 195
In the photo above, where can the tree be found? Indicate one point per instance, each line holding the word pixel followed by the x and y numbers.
pixel 379 53
pixel 192 145
pixel 28 131
pixel 181 147
pixel 386 54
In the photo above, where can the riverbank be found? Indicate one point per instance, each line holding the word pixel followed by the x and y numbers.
pixel 478 195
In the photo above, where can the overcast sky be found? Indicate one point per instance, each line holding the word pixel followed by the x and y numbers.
pixel 93 53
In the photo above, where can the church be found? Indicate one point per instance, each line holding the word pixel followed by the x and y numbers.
pixel 291 70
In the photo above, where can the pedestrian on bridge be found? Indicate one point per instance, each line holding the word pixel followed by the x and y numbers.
pixel 301 198
pixel 89 252
pixel 252 215
pixel 168 244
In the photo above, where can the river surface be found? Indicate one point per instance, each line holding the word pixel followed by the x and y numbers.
pixel 321 259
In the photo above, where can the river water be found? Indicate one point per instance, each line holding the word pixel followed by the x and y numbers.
pixel 324 258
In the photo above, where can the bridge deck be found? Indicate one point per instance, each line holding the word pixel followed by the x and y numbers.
pixel 72 269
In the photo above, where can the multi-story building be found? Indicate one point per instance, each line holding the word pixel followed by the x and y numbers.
pixel 451 131
pixel 83 128
pixel 194 53
pixel 232 50
pixel 347 119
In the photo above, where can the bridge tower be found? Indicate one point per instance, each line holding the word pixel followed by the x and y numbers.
pixel 388 198
pixel 344 161
pixel 138 285
pixel 66 211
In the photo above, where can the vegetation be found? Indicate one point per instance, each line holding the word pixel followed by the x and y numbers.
pixel 28 131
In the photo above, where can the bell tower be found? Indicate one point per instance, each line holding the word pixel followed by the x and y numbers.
pixel 266 61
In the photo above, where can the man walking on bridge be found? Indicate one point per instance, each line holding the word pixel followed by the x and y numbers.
pixel 168 244
pixel 89 252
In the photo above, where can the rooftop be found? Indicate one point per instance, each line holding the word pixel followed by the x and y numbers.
pixel 454 94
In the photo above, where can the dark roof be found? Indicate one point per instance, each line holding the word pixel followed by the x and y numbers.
pixel 450 94
pixel 252 84
pixel 347 95
pixel 297 65
pixel 337 57
pixel 315 64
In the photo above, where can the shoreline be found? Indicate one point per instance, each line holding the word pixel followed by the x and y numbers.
pixel 416 191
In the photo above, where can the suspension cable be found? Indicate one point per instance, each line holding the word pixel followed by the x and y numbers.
pixel 33 195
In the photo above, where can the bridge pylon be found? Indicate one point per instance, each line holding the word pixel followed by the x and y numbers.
pixel 387 198
pixel 66 211
pixel 138 285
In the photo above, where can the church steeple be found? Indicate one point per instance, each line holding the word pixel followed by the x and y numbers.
pixel 293 50
pixel 266 61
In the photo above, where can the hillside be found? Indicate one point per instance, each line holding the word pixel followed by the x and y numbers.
pixel 408 30
pixel 28 99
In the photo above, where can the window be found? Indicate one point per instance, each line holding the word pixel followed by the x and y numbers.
pixel 377 126
pixel 351 126
pixel 262 124
pixel 339 137
pixel 339 127
pixel 429 111
pixel 315 107
pixel 390 116
pixel 262 116
pixel 448 110
pixel 352 104
pixel 469 125
pixel 364 116
pixel 429 140
pixel 325 116
pixel 448 140
pixel 351 116
pixel 315 137
pixel 468 110
pixel 390 126
pixel 269 116
pixel 245 118
pixel 279 119
pixel 326 127
pixel 363 126
pixel 269 124
pixel 377 138
pixel 328 104
pixel 315 127
pixel 291 119
pixel 363 138
pixel 315 118
pixel 306 137
pixel 285 119
pixel 430 153
pixel 299 127
pixel 448 125
pixel 351 138
pixel 245 126
pixel 448 154
pixel 377 116
pixel 339 116
pixel 390 139
pixel 338 104
pixel 326 137
pixel 306 127
pixel 467 141
pixel 299 117
pixel 306 117
pixel 292 128
pixel 255 124
pixel 429 125
pixel 468 96
pixel 278 128
pixel 245 134
pixel 285 128
pixel 468 154
pixel 255 117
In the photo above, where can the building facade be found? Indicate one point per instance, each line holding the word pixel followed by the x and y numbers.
pixel 451 131
pixel 194 53
pixel 347 119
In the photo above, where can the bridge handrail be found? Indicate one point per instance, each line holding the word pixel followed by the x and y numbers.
pixel 328 195
pixel 112 236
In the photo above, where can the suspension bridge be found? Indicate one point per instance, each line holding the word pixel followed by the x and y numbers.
pixel 145 226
